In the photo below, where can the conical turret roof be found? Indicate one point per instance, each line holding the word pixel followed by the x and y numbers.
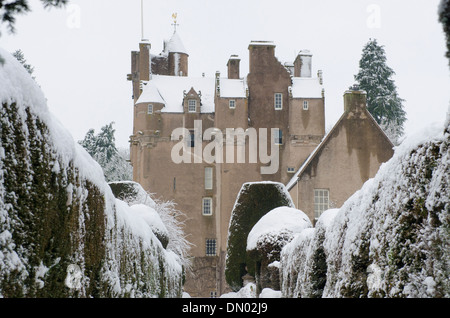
pixel 175 45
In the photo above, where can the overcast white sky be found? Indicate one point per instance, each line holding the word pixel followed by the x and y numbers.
pixel 81 53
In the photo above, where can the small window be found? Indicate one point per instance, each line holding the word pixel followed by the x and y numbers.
pixel 290 169
pixel 208 178
pixel 207 206
pixel 305 105
pixel 321 201
pixel 232 104
pixel 191 141
pixel 278 137
pixel 192 105
pixel 278 101
pixel 210 247
pixel 150 109
pixel 213 294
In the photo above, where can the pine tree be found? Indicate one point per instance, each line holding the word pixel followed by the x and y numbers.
pixel 444 18
pixel 102 148
pixel 383 102
pixel 105 143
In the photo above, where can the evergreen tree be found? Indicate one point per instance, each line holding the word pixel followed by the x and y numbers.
pixel 102 148
pixel 383 102
pixel 444 18
pixel 105 143
pixel 18 54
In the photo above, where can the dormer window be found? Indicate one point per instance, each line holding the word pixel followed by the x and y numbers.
pixel 192 105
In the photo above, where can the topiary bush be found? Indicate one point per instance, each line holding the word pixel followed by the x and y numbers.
pixel 254 200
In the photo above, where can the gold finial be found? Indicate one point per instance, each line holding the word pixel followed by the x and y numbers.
pixel 174 17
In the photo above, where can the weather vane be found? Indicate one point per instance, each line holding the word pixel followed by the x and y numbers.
pixel 174 17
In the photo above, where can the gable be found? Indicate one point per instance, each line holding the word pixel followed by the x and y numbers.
pixel 363 138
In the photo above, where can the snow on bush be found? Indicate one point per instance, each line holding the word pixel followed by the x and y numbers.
pixel 390 239
pixel 254 200
pixel 173 238
pixel 57 212
pixel 132 193
pixel 303 262
pixel 282 220
pixel 267 238
pixel 248 291
pixel 270 293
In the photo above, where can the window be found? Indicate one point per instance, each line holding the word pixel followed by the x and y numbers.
pixel 207 206
pixel 305 105
pixel 191 141
pixel 321 201
pixel 213 294
pixel 232 104
pixel 278 137
pixel 210 247
pixel 290 169
pixel 208 178
pixel 278 101
pixel 192 105
pixel 150 109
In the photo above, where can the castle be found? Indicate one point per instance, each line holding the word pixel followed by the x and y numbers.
pixel 197 140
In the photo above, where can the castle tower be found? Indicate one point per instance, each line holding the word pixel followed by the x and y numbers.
pixel 173 60
pixel 178 58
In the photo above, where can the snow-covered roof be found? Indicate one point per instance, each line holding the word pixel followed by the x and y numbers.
pixel 306 87
pixel 232 88
pixel 150 94
pixel 175 45
pixel 170 91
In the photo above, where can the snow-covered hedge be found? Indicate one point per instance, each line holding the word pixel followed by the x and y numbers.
pixel 267 238
pixel 390 239
pixel 254 200
pixel 62 232
pixel 303 262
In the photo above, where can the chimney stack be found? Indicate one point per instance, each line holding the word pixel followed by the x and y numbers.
pixel 303 64
pixel 354 99
pixel 144 60
pixel 261 54
pixel 233 67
